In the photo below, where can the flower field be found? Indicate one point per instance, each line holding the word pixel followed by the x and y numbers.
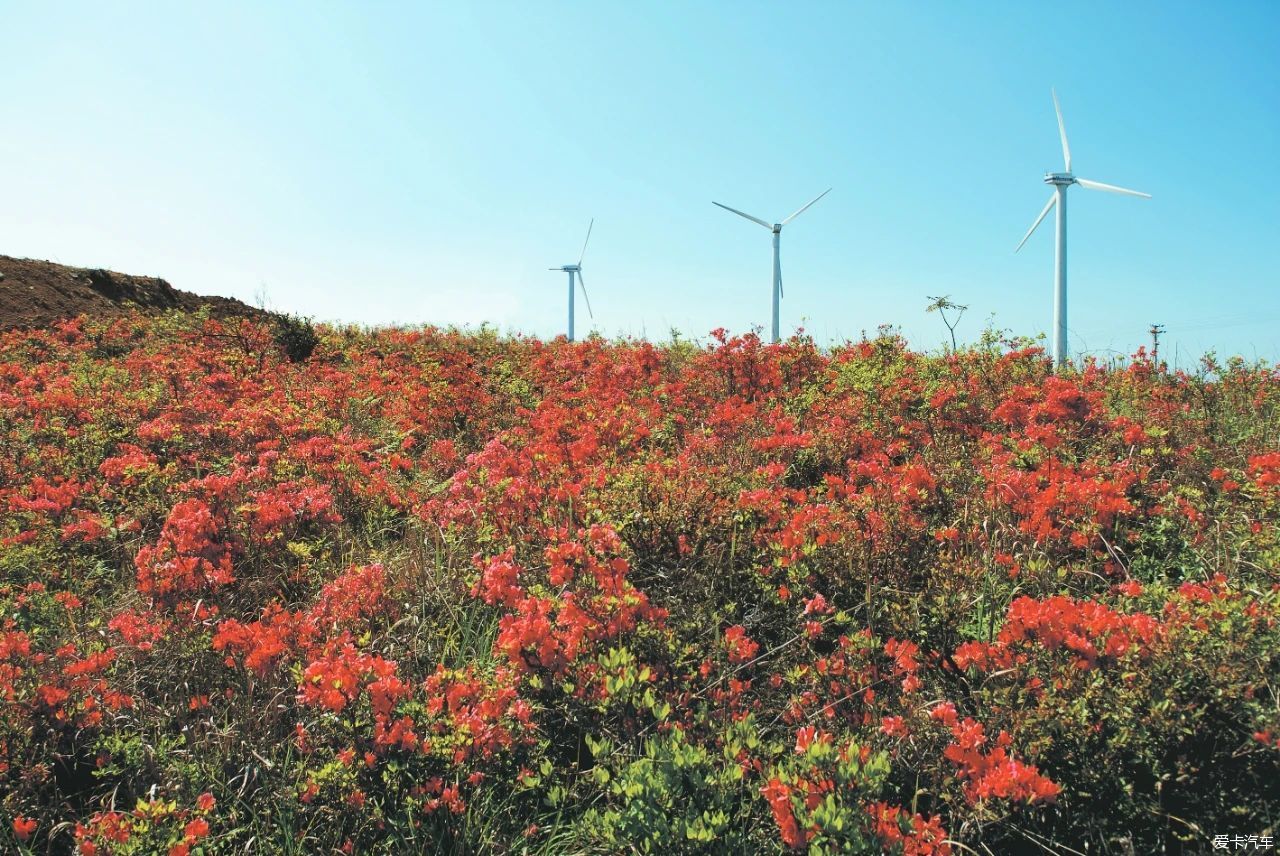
pixel 427 591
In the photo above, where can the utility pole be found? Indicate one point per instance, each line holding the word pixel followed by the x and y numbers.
pixel 1156 330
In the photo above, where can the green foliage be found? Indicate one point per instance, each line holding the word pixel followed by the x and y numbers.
pixel 675 797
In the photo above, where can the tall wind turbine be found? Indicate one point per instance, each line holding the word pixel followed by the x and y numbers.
pixel 576 270
pixel 776 228
pixel 1060 182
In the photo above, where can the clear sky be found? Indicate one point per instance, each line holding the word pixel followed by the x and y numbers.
pixel 406 163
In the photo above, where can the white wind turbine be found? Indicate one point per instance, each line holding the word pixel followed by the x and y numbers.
pixel 1061 181
pixel 576 270
pixel 776 228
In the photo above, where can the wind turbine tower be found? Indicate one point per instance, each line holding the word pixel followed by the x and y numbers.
pixel 776 228
pixel 1060 181
pixel 576 271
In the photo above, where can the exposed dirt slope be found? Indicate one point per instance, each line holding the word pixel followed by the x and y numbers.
pixel 37 293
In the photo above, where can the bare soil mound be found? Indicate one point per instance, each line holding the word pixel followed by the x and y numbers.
pixel 37 293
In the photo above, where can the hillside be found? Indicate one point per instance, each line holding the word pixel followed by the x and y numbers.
pixel 433 592
pixel 36 293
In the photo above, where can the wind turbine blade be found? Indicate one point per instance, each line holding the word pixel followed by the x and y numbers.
pixel 748 216
pixel 1062 130
pixel 1052 201
pixel 1110 188
pixel 582 282
pixel 806 208
pixel 781 292
pixel 583 254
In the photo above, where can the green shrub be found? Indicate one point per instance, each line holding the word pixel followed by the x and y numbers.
pixel 295 336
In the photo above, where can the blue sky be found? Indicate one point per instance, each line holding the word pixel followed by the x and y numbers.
pixel 411 163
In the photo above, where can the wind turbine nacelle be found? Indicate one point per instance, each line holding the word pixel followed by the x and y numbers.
pixel 1057 178
pixel 574 268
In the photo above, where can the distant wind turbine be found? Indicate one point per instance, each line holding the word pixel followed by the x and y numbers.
pixel 576 270
pixel 776 228
pixel 1061 181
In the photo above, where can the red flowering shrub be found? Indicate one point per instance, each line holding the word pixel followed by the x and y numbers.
pixel 154 826
pixel 192 557
pixel 469 593
pixel 1088 629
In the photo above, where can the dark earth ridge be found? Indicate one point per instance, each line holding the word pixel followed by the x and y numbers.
pixel 35 293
